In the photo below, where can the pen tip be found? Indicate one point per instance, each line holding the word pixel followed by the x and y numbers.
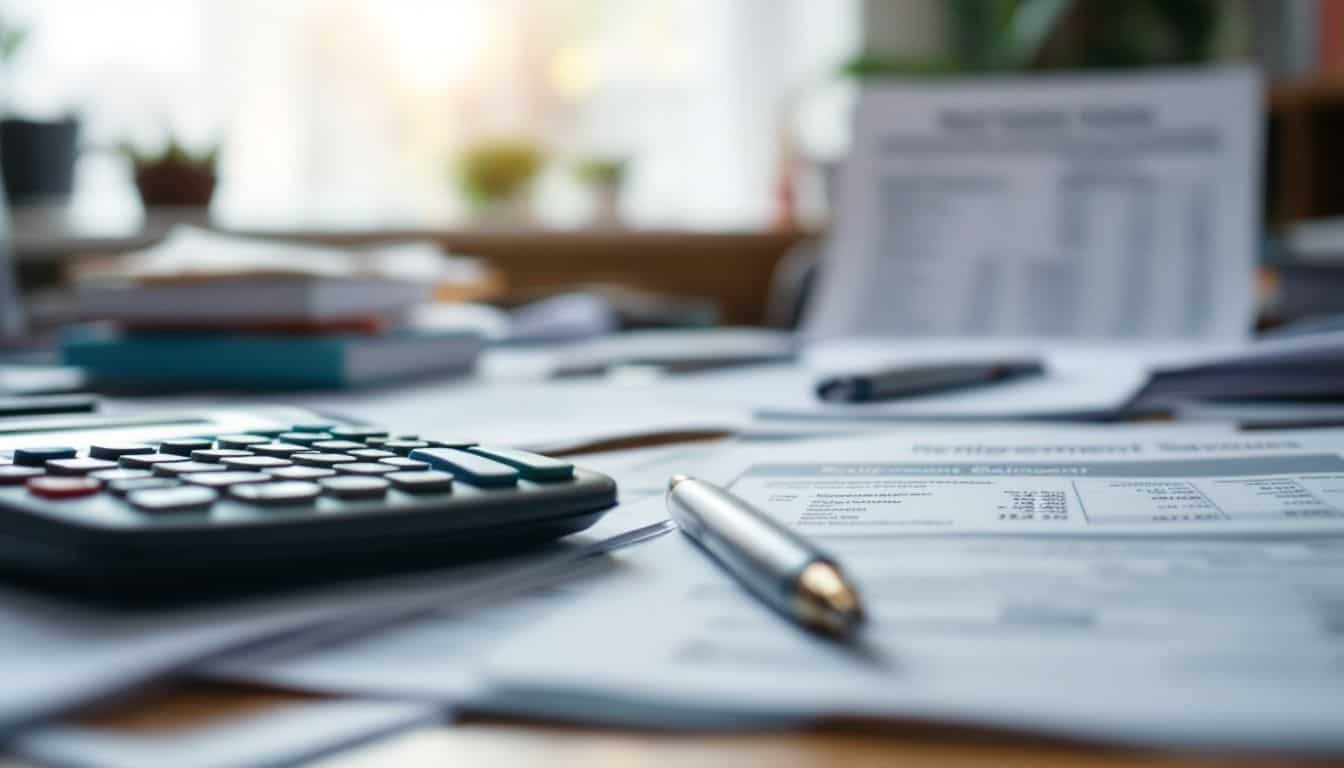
pixel 673 480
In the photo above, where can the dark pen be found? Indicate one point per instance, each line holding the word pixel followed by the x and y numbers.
pixel 776 564
pixel 907 381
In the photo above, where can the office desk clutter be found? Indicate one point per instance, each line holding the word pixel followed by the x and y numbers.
pixel 984 432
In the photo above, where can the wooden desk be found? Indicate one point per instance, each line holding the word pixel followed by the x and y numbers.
pixel 479 742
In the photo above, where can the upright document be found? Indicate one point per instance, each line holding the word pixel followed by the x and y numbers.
pixel 1098 206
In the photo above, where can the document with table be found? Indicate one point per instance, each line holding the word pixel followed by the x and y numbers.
pixel 1130 585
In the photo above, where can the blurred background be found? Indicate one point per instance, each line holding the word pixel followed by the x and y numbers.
pixel 548 121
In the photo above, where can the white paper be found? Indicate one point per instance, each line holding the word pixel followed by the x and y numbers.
pixel 1125 629
pixel 1099 206
pixel 281 735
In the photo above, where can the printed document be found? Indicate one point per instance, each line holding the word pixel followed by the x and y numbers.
pixel 1098 206
pixel 1136 586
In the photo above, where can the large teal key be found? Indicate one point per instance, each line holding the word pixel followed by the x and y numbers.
pixel 532 466
pixel 467 467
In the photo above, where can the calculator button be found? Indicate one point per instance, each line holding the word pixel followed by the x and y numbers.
pixel 403 447
pixel 376 442
pixel 148 460
pixel 179 499
pixel 255 462
pixel 360 434
pixel 175 468
pixel 240 442
pixel 78 466
pixel 123 487
pixel 278 493
pixel 354 487
pixel 278 450
pixel 303 438
pixel 300 473
pixel 13 474
pixel 64 487
pixel 115 451
pixel 36 457
pixel 322 459
pixel 365 468
pixel 108 475
pixel 372 454
pixel 271 433
pixel 338 446
pixel 428 481
pixel 226 479
pixel 319 426
pixel 401 462
pixel 453 443
pixel 184 446
pixel 468 467
pixel 218 454
pixel 532 466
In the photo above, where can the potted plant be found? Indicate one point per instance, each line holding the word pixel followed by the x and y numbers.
pixel 496 177
pixel 604 177
pixel 38 156
pixel 174 175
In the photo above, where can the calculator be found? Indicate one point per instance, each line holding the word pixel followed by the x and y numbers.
pixel 193 505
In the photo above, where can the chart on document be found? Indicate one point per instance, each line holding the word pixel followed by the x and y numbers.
pixel 1020 497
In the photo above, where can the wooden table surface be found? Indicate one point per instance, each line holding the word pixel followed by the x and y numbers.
pixel 497 743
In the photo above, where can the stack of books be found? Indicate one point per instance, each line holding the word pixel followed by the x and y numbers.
pixel 205 310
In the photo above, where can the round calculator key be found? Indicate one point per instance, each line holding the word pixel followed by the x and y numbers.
pixel 114 451
pixel 372 454
pixel 240 442
pixel 313 426
pixel 255 463
pixel 322 459
pixel 357 434
pixel 303 438
pixel 300 473
pixel 36 457
pixel 403 447
pixel 176 468
pixel 454 443
pixel 123 487
pixel 183 498
pixel 337 446
pixel 148 460
pixel 13 474
pixel 109 475
pixel 269 433
pixel 183 446
pixel 354 487
pixel 284 492
pixel 64 487
pixel 279 450
pixel 216 455
pixel 78 466
pixel 428 481
pixel 403 463
pixel 226 479
pixel 365 468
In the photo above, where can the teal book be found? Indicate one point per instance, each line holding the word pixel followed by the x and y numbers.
pixel 267 361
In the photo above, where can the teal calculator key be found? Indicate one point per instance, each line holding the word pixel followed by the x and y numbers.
pixel 183 446
pixel 303 438
pixel 36 457
pixel 240 442
pixel 272 432
pixel 313 426
pixel 467 467
pixel 357 434
pixel 114 451
pixel 532 466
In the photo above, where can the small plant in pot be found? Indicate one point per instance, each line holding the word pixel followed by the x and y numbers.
pixel 174 175
pixel 38 156
pixel 497 175
pixel 604 177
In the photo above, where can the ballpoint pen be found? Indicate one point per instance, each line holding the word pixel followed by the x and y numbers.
pixel 776 564
pixel 907 381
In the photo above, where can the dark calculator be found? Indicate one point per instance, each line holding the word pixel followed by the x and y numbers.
pixel 181 506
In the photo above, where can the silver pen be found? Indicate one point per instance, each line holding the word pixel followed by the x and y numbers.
pixel 779 566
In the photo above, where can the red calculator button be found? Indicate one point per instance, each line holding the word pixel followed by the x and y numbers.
pixel 64 487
